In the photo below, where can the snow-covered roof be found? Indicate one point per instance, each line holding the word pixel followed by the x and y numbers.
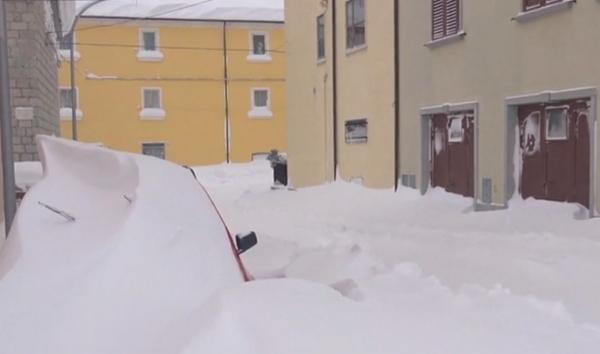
pixel 217 10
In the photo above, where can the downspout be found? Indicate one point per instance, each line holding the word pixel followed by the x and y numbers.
pixel 226 84
pixel 8 165
pixel 396 93
pixel 335 87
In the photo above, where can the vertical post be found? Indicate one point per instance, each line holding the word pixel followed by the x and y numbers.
pixel 8 166
pixel 335 86
pixel 396 93
pixel 73 89
pixel 226 84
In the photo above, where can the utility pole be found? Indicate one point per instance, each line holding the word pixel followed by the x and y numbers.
pixel 6 143
pixel 71 34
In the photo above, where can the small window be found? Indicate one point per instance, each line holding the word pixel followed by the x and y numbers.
pixel 152 98
pixel 321 37
pixel 149 40
pixel 536 4
pixel 66 100
pixel 65 43
pixel 154 149
pixel 445 18
pixel 260 98
pixel 557 124
pixel 456 132
pixel 259 44
pixel 356 131
pixel 355 23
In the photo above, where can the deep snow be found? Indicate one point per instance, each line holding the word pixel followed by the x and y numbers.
pixel 339 268
pixel 443 278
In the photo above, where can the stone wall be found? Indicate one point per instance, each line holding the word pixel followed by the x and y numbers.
pixel 33 66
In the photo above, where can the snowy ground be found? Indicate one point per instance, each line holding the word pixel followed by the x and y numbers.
pixel 432 274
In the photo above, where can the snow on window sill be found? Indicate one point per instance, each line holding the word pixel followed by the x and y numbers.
pixel 255 58
pixel 525 16
pixel 358 48
pixel 446 40
pixel 150 55
pixel 260 113
pixel 152 114
pixel 65 54
pixel 67 114
pixel 321 61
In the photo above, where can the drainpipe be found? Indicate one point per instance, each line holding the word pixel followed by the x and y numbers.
pixel 226 83
pixel 72 64
pixel 396 93
pixel 335 87
pixel 8 165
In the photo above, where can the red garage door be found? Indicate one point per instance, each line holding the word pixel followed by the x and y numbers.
pixel 555 148
pixel 452 152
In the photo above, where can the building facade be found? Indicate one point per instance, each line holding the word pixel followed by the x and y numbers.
pixel 496 98
pixel 341 96
pixel 194 88
pixel 33 30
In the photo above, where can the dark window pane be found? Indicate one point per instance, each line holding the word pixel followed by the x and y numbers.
pixel 65 43
pixel 321 37
pixel 151 98
pixel 259 46
pixel 261 98
pixel 65 98
pixel 149 41
pixel 154 149
pixel 356 131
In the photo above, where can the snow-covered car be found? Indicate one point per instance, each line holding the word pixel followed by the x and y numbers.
pixel 105 227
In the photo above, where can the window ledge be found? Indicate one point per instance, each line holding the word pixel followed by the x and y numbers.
pixel 259 58
pixel 542 11
pixel 360 48
pixel 66 55
pixel 321 61
pixel 446 40
pixel 67 114
pixel 260 113
pixel 150 55
pixel 152 114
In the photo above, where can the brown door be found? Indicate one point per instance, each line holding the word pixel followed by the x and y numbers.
pixel 452 146
pixel 555 150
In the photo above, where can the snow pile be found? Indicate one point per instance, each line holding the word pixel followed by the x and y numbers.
pixel 27 174
pixel 145 250
pixel 443 278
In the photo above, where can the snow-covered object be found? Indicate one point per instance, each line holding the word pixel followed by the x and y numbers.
pixel 530 143
pixel 27 174
pixel 146 249
pixel 217 10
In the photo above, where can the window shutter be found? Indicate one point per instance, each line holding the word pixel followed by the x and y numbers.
pixel 437 19
pixel 452 17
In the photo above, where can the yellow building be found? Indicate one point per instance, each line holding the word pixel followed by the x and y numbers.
pixel 196 85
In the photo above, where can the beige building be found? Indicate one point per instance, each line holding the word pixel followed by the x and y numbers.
pixel 496 97
pixel 341 102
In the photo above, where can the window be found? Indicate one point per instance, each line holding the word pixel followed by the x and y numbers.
pixel 355 23
pixel 535 4
pixel 66 103
pixel 556 124
pixel 65 43
pixel 321 37
pixel 259 47
pixel 261 103
pixel 456 132
pixel 356 131
pixel 65 47
pixel 154 149
pixel 149 45
pixel 152 103
pixel 445 20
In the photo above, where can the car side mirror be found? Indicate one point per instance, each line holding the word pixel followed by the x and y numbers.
pixel 244 242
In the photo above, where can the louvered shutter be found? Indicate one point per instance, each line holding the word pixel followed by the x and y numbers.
pixel 438 19
pixel 452 17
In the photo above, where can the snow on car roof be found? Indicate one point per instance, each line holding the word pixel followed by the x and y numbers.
pixel 217 10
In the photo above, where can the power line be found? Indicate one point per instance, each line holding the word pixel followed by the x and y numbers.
pixel 145 18
pixel 122 45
